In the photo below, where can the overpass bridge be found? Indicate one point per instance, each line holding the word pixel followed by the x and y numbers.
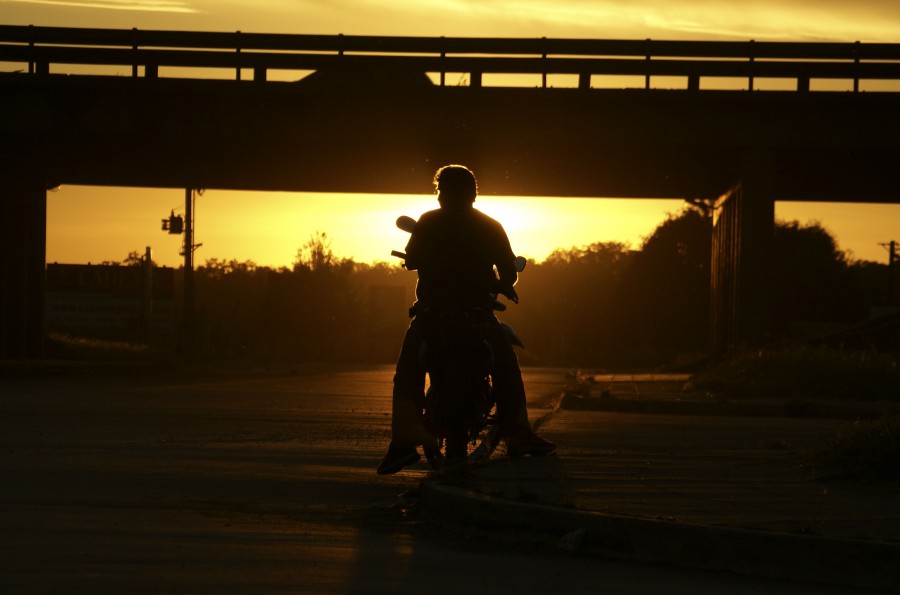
pixel 735 124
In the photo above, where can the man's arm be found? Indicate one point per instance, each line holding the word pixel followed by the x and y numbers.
pixel 505 267
pixel 506 281
pixel 414 247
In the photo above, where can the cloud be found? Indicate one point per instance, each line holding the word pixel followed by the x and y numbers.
pixel 759 19
pixel 176 6
pixel 795 20
pixel 783 20
pixel 798 20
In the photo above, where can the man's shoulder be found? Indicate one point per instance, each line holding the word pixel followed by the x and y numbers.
pixel 471 219
pixel 429 216
pixel 487 219
pixel 488 222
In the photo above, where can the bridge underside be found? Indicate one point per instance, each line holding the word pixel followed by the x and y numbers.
pixel 537 142
pixel 344 138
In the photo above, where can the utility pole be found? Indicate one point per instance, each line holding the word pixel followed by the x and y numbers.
pixel 147 298
pixel 190 297
pixel 176 225
pixel 190 325
pixel 892 259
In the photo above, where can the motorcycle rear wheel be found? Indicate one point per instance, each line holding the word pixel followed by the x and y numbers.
pixel 452 451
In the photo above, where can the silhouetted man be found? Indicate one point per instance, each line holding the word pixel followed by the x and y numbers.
pixel 455 250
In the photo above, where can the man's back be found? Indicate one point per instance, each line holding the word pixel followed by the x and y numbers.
pixel 455 251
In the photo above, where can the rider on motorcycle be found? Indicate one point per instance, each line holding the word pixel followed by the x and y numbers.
pixel 455 249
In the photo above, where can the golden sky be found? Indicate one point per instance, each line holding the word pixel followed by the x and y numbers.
pixel 789 20
pixel 268 228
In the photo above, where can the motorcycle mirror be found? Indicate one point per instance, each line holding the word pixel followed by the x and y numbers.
pixel 519 263
pixel 406 223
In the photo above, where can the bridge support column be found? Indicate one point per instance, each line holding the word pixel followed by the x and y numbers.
pixel 23 249
pixel 743 229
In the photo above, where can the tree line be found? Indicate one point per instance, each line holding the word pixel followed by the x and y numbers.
pixel 605 304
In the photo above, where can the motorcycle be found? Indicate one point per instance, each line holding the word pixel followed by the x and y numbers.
pixel 459 406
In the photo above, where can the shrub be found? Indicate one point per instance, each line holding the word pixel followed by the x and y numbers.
pixel 868 450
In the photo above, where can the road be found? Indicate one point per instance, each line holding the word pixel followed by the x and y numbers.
pixel 253 484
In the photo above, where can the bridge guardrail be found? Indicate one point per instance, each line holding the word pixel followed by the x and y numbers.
pixel 40 47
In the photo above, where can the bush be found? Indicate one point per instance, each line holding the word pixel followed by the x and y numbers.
pixel 868 450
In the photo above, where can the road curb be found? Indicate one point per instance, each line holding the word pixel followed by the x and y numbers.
pixel 792 408
pixel 852 563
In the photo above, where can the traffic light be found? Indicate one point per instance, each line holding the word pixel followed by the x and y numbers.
pixel 174 224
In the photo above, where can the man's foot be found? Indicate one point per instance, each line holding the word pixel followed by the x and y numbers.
pixel 397 458
pixel 528 443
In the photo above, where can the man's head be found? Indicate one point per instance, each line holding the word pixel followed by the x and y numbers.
pixel 455 186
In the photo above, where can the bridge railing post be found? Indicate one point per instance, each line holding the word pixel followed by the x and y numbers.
pixel 584 80
pixel 544 64
pixel 134 52
pixel 752 61
pixel 647 60
pixel 237 49
pixel 30 49
pixel 443 61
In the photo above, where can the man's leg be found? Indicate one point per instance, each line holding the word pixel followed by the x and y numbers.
pixel 509 391
pixel 407 430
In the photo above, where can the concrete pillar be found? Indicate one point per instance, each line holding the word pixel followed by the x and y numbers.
pixel 725 258
pixel 757 236
pixel 743 231
pixel 23 248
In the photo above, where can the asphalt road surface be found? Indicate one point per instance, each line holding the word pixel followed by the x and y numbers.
pixel 254 484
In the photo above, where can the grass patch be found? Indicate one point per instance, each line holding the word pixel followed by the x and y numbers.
pixel 804 373
pixel 866 450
